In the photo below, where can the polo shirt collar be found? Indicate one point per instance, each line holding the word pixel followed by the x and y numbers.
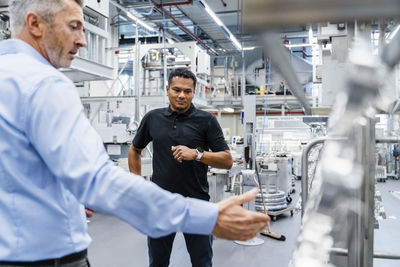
pixel 169 112
pixel 15 46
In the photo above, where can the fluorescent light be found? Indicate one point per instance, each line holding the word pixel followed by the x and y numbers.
pixel 145 25
pixel 310 35
pixel 298 45
pixel 249 48
pixel 235 41
pixel 212 14
pixel 140 22
pixel 131 16
pixel 393 33
pixel 222 25
pixel 229 110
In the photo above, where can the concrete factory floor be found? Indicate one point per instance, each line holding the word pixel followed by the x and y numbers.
pixel 116 244
pixel 387 237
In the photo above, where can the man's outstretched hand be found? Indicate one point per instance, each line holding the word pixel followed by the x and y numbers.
pixel 237 223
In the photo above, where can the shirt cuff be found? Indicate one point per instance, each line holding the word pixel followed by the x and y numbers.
pixel 203 216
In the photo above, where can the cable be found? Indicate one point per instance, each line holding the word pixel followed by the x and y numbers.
pixel 151 10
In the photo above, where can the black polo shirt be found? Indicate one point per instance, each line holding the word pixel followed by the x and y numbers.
pixel 194 128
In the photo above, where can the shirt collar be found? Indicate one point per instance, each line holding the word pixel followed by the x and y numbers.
pixel 15 46
pixel 169 112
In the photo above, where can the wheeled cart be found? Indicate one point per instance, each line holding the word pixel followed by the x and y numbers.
pixel 275 213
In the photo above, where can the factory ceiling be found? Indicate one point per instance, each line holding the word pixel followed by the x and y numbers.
pixel 188 20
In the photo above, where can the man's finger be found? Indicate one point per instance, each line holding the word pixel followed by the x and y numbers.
pixel 246 197
pixel 89 212
pixel 173 148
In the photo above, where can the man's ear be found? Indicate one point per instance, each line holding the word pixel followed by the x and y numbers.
pixel 167 89
pixel 34 24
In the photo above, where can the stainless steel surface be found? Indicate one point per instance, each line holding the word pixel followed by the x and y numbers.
pixel 217 179
pixel 391 52
pixel 369 194
pixel 361 236
pixel 344 199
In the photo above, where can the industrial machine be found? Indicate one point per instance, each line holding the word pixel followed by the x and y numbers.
pixel 155 60
pixel 278 184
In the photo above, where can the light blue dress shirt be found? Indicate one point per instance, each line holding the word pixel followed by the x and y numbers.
pixel 52 161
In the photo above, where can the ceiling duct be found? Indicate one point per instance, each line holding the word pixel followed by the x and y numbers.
pixel 196 13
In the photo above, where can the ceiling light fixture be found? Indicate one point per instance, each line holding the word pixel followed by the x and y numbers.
pixel 393 33
pixel 140 22
pixel 222 25
pixel 310 35
pixel 213 15
pixel 230 110
pixel 249 48
pixel 133 17
pixel 235 41
pixel 298 45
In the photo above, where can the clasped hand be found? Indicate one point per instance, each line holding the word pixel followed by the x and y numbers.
pixel 181 153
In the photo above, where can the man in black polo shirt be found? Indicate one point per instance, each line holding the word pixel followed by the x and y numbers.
pixel 185 141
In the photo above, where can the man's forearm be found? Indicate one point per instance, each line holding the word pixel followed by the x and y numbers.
pixel 134 161
pixel 221 160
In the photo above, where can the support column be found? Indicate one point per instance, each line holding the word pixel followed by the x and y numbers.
pixel 136 75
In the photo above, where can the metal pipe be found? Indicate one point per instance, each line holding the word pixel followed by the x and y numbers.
pixel 377 254
pixel 281 59
pixel 304 167
pixel 165 81
pixel 136 73
pixel 304 170
pixel 391 52
pixel 178 3
pixel 243 77
pixel 385 255
pixel 386 140
pixel 184 28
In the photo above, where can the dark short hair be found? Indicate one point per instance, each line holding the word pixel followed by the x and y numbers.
pixel 184 73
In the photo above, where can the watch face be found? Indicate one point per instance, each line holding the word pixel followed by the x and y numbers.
pixel 200 149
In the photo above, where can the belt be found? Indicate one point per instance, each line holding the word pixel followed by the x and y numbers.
pixel 55 262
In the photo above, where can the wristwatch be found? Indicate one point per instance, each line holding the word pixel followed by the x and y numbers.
pixel 200 153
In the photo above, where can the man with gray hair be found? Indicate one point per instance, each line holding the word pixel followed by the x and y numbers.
pixel 53 163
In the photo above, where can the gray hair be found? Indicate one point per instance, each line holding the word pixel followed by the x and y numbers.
pixel 47 9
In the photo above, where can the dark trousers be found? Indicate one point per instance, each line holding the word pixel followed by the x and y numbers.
pixel 198 246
